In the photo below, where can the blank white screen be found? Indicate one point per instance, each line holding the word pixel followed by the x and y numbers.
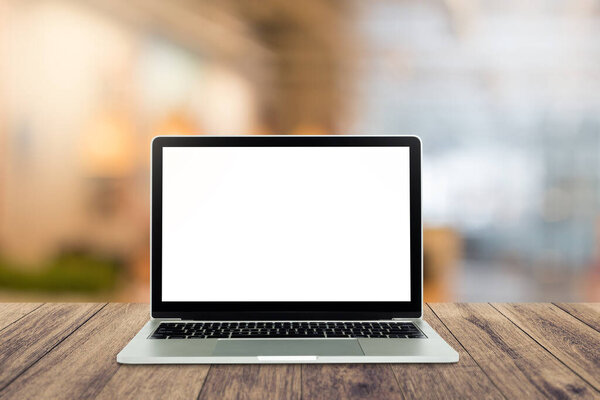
pixel 286 224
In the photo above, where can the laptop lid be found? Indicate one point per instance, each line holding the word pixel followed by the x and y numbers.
pixel 286 227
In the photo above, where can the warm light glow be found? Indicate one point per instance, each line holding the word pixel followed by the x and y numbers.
pixel 108 148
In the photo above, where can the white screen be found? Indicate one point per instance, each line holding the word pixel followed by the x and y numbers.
pixel 286 224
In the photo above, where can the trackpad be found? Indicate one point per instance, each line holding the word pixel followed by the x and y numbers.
pixel 300 347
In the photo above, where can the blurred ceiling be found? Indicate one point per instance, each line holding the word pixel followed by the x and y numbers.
pixel 293 48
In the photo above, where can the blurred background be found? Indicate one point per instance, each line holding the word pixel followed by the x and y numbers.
pixel 504 94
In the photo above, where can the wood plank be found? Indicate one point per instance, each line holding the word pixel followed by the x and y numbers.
pixel 585 312
pixel 349 381
pixel 459 381
pixel 519 366
pixel 571 341
pixel 155 382
pixel 252 382
pixel 24 343
pixel 10 312
pixel 85 361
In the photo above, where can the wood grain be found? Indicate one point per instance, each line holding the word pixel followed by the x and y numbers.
pixel 519 366
pixel 588 313
pixel 573 342
pixel 252 382
pixel 349 381
pixel 24 343
pixel 155 382
pixel 462 380
pixel 11 312
pixel 85 361
pixel 515 351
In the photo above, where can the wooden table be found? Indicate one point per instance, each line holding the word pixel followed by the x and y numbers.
pixel 516 351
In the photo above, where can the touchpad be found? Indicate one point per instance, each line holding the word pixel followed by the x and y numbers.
pixel 287 347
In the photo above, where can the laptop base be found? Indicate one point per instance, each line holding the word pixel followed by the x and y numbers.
pixel 142 350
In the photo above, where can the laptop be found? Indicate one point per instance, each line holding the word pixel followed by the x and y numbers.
pixel 286 249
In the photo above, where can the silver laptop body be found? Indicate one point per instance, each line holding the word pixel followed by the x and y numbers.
pixel 286 249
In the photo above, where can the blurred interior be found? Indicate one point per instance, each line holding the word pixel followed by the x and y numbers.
pixel 504 94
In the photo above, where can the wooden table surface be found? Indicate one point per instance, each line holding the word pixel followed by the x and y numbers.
pixel 515 351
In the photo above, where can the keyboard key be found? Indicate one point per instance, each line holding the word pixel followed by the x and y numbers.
pixel 158 336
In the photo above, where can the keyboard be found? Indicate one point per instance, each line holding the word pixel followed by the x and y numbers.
pixel 282 330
